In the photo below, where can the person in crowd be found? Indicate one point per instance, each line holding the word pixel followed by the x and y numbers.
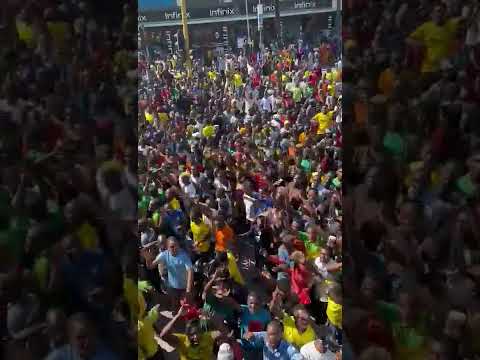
pixel 272 344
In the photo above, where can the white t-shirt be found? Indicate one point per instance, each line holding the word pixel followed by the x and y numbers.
pixel 189 190
pixel 309 352
pixel 249 207
pixel 321 267
pixel 266 104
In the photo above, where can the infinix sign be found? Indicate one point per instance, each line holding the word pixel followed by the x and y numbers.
pixel 266 8
pixel 223 12
pixel 175 15
pixel 305 5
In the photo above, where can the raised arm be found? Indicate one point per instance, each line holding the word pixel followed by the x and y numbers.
pixel 166 331
pixel 294 354
pixel 209 285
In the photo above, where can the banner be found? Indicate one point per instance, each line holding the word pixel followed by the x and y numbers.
pixel 210 9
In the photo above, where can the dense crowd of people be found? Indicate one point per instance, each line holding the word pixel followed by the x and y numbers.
pixel 67 184
pixel 212 219
pixel 411 201
pixel 240 206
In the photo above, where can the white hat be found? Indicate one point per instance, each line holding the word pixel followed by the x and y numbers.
pixel 225 352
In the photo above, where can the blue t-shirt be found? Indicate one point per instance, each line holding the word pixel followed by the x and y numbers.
pixel 259 319
pixel 284 351
pixel 177 267
pixel 283 256
pixel 174 218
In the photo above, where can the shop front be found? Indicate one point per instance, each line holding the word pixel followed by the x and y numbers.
pixel 217 26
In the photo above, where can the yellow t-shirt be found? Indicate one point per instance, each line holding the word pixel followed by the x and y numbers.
pixel 212 75
pixel 208 131
pixel 237 80
pixel 40 272
pixel 174 204
pixel 130 294
pixel 147 345
pixel 162 117
pixel 291 334
pixel 200 234
pixel 437 40
pixel 58 30
pixel 233 269
pixel 203 351
pixel 148 117
pixel 25 33
pixel 329 76
pixel 302 138
pixel 324 121
pixel 334 313
pixel 88 237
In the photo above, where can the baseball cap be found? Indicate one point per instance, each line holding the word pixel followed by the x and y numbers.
pixel 225 352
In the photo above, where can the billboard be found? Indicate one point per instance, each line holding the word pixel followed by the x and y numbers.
pixel 218 10
pixel 152 5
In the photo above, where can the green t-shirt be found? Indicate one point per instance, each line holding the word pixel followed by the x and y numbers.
pixel 312 249
pixel 409 342
pixel 297 94
pixel 306 165
pixel 216 306
pixel 394 144
pixel 466 186
pixel 143 205
pixel 13 237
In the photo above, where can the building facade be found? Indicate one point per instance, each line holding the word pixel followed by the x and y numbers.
pixel 221 25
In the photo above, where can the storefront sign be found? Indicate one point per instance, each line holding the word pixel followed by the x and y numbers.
pixel 237 8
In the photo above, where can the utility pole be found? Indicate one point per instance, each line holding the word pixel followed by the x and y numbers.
pixel 249 39
pixel 186 37
pixel 338 24
pixel 260 24
pixel 278 27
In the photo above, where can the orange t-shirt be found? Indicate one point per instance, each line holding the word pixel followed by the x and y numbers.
pixel 222 237
pixel 361 112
